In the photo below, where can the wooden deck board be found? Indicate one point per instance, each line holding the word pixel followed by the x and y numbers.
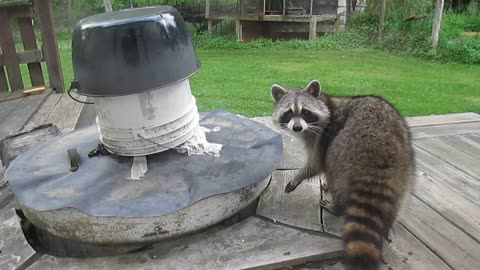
pixel 14 247
pixel 455 157
pixel 457 249
pixel 473 137
pixel 464 144
pixel 17 118
pixel 443 119
pixel 450 176
pixel 253 243
pixel 445 130
pixel 451 205
pixel 8 104
pixel 44 112
pixel 6 194
pixel 300 208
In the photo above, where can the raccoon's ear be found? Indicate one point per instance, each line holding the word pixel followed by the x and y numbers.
pixel 314 88
pixel 278 92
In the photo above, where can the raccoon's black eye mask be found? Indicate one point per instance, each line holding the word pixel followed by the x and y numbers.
pixel 285 118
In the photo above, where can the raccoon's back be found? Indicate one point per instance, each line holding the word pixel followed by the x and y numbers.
pixel 371 159
pixel 370 135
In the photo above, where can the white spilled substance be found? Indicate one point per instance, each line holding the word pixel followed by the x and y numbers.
pixel 139 167
pixel 198 144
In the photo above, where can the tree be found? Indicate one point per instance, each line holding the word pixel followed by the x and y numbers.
pixel 437 23
pixel 108 5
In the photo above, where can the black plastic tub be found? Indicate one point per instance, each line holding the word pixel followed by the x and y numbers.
pixel 130 51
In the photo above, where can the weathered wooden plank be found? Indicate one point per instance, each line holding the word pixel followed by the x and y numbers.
pixel 4 95
pixel 66 113
pixel 443 119
pixel 404 252
pixel 87 116
pixel 6 195
pixel 464 144
pixel 253 243
pixel 456 248
pixel 3 81
pixel 445 130
pixel 13 146
pixel 41 117
pixel 436 169
pixel 43 8
pixel 300 208
pixel 294 153
pixel 9 52
pixel 20 115
pixel 454 207
pixel 14 247
pixel 18 9
pixel 407 252
pixel 473 137
pixel 9 103
pixel 26 57
pixel 451 155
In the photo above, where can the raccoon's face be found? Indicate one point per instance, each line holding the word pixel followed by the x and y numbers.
pixel 300 110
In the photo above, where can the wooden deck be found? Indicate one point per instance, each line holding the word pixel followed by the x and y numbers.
pixel 439 227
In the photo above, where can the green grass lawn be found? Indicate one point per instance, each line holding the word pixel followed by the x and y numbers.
pixel 240 80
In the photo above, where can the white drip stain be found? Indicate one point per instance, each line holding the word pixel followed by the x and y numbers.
pixel 198 144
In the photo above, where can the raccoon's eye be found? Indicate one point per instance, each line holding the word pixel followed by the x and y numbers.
pixel 305 112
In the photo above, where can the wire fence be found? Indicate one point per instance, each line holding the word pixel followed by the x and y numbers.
pixel 273 7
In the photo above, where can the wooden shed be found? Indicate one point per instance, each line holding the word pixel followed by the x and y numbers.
pixel 279 18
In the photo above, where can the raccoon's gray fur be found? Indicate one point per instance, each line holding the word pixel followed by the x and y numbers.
pixel 362 145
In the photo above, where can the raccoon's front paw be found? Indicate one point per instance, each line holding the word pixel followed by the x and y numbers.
pixel 291 186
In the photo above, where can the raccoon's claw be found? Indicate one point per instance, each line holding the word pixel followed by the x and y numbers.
pixel 291 186
pixel 329 207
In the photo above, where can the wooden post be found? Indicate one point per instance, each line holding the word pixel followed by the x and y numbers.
pixel 437 24
pixel 108 5
pixel 30 43
pixel 207 16
pixel 209 27
pixel 383 10
pixel 9 52
pixel 311 7
pixel 312 33
pixel 284 7
pixel 239 30
pixel 3 80
pixel 207 9
pixel 43 9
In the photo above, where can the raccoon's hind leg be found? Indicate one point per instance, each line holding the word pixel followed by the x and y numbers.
pixel 336 206
pixel 323 182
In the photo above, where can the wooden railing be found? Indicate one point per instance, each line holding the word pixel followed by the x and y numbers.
pixel 10 60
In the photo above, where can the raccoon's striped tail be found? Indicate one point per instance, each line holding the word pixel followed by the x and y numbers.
pixel 369 214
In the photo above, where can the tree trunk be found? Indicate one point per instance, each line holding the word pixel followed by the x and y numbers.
pixel 108 5
pixel 69 14
pixel 383 10
pixel 437 23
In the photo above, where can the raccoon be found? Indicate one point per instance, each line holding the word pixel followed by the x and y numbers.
pixel 362 145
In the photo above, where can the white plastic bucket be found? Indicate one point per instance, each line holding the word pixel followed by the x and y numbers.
pixel 149 122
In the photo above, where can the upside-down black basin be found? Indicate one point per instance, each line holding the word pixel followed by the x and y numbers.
pixel 131 51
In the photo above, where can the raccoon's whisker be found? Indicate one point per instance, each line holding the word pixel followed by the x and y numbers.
pixel 317 130
pixel 314 132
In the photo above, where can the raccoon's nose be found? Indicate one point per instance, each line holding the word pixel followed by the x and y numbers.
pixel 297 128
